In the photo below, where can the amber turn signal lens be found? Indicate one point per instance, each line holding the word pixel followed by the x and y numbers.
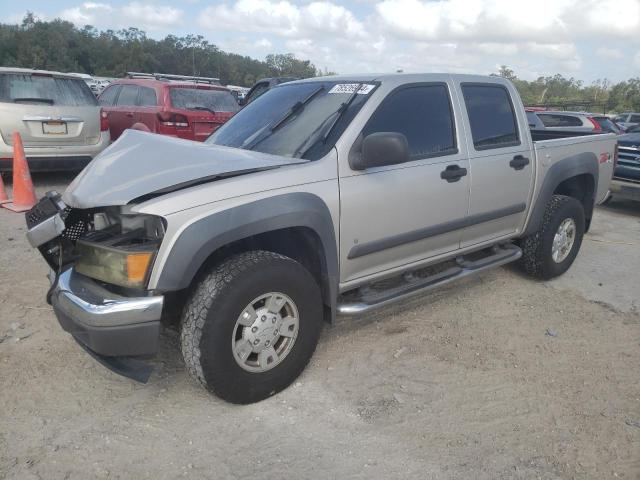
pixel 137 266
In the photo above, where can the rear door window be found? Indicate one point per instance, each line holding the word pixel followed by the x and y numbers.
pixel 203 99
pixel 491 115
pixel 557 120
pixel 634 119
pixel 128 96
pixel 43 89
pixel 147 97
pixel 108 97
pixel 421 113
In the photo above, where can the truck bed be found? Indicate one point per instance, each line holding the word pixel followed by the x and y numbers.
pixel 551 146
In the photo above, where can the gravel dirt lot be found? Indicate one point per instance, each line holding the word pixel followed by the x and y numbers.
pixel 497 376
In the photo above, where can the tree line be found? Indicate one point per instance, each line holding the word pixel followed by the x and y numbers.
pixel 569 93
pixel 61 46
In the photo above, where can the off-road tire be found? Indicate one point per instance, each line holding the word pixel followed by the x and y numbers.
pixel 537 258
pixel 210 316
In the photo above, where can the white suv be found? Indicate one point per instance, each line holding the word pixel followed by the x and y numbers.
pixel 57 116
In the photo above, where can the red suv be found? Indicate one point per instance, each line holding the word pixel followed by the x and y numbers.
pixel 184 107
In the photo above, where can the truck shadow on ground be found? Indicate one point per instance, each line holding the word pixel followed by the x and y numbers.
pixel 619 205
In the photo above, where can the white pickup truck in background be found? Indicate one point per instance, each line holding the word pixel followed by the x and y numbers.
pixel 325 196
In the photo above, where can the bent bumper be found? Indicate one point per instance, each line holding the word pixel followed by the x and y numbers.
pixel 106 323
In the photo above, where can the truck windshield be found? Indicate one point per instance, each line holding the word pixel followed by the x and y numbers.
pixel 295 120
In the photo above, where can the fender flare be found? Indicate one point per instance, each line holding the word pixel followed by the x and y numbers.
pixel 202 238
pixel 580 164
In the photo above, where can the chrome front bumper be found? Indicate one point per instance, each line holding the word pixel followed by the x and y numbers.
pixel 106 323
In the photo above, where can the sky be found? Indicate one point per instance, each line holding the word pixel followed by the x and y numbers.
pixel 585 39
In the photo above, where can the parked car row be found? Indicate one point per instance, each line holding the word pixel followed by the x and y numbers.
pixel 571 121
pixel 63 126
pixel 628 120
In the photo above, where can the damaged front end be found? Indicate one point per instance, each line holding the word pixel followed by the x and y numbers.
pixel 100 260
pixel 110 244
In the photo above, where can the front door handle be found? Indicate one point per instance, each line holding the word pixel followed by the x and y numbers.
pixel 129 114
pixel 453 173
pixel 519 162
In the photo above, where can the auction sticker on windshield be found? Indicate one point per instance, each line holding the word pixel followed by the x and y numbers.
pixel 351 87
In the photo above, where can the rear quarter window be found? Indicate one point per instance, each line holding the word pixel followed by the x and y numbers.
pixel 203 99
pixel 108 97
pixel 147 97
pixel 128 96
pixel 42 89
pixel 491 115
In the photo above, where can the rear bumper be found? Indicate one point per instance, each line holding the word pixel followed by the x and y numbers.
pixel 49 164
pixel 625 189
pixel 106 323
pixel 72 157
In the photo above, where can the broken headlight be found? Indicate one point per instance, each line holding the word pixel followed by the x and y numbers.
pixel 122 253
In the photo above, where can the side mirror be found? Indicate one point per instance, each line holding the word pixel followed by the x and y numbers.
pixel 380 149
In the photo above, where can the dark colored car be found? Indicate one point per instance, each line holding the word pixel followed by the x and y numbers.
pixel 626 176
pixel 264 85
pixel 184 109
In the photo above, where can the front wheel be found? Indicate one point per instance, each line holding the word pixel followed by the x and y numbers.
pixel 551 250
pixel 251 326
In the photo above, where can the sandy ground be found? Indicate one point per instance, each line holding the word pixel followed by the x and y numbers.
pixel 494 377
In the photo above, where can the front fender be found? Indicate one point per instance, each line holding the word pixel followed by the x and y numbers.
pixel 202 238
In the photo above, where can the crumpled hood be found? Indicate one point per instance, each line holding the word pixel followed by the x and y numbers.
pixel 141 163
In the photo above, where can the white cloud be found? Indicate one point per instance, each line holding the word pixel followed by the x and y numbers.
pixel 544 21
pixel 134 14
pixel 86 14
pixel 609 53
pixel 282 18
pixel 152 15
pixel 263 43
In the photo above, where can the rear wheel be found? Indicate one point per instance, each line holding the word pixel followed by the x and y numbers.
pixel 551 250
pixel 251 326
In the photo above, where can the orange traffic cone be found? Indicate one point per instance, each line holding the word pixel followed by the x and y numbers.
pixel 24 196
pixel 3 193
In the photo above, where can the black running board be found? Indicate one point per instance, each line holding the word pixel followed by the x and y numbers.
pixel 367 301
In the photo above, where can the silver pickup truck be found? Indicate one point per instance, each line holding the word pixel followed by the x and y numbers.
pixel 326 196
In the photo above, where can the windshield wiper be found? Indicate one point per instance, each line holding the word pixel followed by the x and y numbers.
pixel 296 107
pixel 33 99
pixel 201 107
pixel 343 108
pixel 302 150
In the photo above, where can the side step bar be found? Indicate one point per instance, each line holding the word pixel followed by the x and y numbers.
pixel 369 300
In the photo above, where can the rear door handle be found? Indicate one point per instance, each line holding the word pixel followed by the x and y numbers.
pixel 129 114
pixel 519 162
pixel 453 173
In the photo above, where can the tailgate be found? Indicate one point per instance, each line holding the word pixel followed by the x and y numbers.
pixel 50 126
